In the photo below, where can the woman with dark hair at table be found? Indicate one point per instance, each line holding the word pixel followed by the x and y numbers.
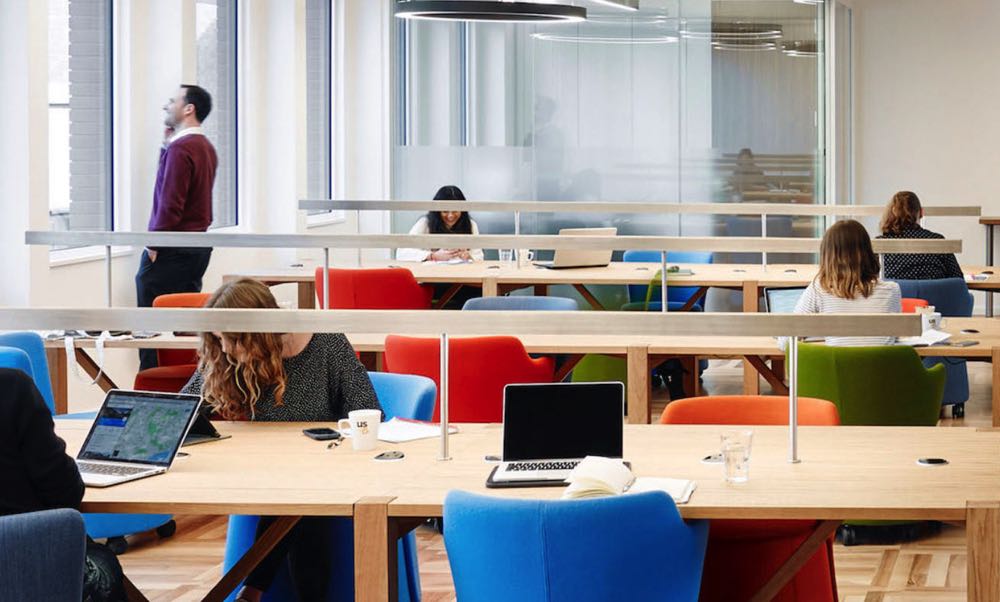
pixel 902 220
pixel 443 222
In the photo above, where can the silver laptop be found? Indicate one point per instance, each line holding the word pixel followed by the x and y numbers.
pixel 580 258
pixel 136 434
pixel 549 428
pixel 782 300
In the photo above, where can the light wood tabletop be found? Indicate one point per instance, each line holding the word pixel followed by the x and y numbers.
pixel 641 352
pixel 495 278
pixel 845 473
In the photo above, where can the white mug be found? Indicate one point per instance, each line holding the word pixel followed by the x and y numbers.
pixel 525 257
pixel 363 425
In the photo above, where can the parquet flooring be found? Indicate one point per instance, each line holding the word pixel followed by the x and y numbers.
pixel 185 566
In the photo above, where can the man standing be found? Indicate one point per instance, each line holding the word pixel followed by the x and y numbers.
pixel 182 202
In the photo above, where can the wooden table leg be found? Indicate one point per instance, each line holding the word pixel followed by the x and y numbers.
pixel 637 366
pixel 132 593
pixel 995 358
pixel 796 561
pixel 281 526
pixel 982 534
pixel 489 287
pixel 447 296
pixel 566 368
pixel 94 371
pixel 586 294
pixel 58 375
pixel 751 383
pixel 776 380
pixel 375 535
pixel 307 295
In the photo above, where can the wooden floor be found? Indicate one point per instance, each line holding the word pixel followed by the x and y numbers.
pixel 185 566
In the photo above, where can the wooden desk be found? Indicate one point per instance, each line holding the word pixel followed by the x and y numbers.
pixel 496 278
pixel 642 355
pixel 274 472
pixel 846 473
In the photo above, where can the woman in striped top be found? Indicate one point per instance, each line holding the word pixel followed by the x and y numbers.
pixel 848 282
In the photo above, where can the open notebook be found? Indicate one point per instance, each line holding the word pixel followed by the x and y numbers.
pixel 597 477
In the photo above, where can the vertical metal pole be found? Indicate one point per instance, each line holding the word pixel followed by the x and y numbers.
pixel 517 232
pixel 444 398
pixel 663 281
pixel 763 233
pixel 326 278
pixel 107 269
pixel 793 400
pixel 989 262
pixel 881 266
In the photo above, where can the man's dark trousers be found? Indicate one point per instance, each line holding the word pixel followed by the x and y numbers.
pixel 176 270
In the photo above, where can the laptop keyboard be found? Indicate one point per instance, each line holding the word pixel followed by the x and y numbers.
pixel 525 466
pixel 111 469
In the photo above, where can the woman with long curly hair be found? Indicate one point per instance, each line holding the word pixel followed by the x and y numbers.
pixel 274 377
pixel 902 220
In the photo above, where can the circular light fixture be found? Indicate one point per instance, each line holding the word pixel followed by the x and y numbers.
pixel 490 11
pixel 801 48
pixel 813 2
pixel 751 46
pixel 735 31
pixel 638 40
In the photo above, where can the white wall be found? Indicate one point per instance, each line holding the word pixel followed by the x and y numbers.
pixel 926 89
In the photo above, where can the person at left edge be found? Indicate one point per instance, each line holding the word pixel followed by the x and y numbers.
pixel 182 202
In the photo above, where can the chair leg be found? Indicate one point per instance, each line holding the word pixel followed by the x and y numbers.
pixel 958 410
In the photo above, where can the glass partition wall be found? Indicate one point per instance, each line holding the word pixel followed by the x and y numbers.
pixel 686 101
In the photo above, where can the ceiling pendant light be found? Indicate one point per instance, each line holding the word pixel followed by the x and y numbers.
pixel 490 11
pixel 800 48
pixel 622 4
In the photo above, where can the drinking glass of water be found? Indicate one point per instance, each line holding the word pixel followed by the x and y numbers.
pixel 736 455
pixel 506 256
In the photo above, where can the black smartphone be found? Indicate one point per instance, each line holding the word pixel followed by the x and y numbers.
pixel 931 461
pixel 390 455
pixel 964 343
pixel 321 433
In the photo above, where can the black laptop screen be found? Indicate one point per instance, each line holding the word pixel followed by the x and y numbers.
pixel 551 421
pixel 137 426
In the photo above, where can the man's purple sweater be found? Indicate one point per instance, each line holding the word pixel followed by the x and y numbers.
pixel 182 199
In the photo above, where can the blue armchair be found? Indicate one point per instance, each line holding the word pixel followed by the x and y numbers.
pixel 951 297
pixel 677 296
pixel 631 547
pixel 402 395
pixel 112 527
pixel 521 303
pixel 42 555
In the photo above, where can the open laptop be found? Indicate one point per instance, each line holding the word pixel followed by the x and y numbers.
pixel 136 434
pixel 548 428
pixel 580 258
pixel 202 431
pixel 781 300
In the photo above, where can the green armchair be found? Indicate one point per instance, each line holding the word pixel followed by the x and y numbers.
pixel 873 386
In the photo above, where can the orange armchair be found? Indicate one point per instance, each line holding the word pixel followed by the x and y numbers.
pixel 911 304
pixel 378 288
pixel 174 366
pixel 478 368
pixel 743 554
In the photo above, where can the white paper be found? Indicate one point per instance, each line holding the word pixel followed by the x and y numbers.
pixel 928 338
pixel 596 476
pixel 679 489
pixel 399 430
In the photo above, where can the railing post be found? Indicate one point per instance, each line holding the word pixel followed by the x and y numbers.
pixel 107 270
pixel 763 234
pixel 444 398
pixel 793 400
pixel 326 278
pixel 663 281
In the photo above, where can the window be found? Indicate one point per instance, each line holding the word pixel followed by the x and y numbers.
pixel 653 105
pixel 80 115
pixel 319 155
pixel 215 31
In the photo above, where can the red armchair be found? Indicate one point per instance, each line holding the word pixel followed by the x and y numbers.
pixel 175 366
pixel 478 368
pixel 743 554
pixel 378 288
